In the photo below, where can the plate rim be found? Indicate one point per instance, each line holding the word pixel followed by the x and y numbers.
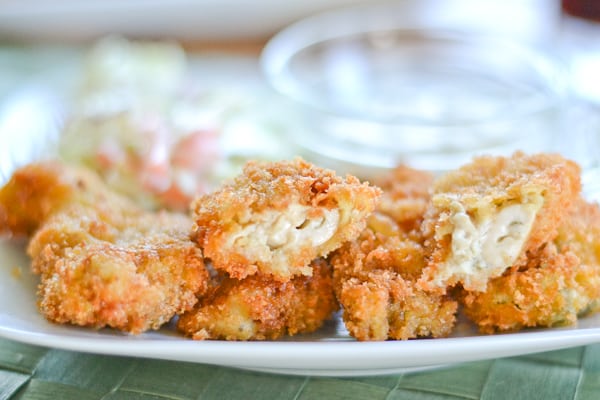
pixel 319 357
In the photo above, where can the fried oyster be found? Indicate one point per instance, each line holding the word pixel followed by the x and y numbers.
pixel 275 218
pixel 489 214
pixel 375 282
pixel 375 275
pixel 555 286
pixel 103 262
pixel 405 195
pixel 259 307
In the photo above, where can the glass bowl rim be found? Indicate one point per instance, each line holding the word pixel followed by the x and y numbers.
pixel 274 60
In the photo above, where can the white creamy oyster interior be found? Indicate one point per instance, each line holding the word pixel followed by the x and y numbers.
pixel 487 240
pixel 294 227
pixel 281 232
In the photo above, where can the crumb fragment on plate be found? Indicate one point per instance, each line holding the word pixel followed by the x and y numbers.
pixel 16 272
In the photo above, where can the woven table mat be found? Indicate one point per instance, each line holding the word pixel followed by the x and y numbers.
pixel 31 372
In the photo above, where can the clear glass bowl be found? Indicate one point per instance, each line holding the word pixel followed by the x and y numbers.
pixel 369 90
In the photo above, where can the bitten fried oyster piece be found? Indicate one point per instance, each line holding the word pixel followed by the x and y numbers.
pixel 559 283
pixel 275 218
pixel 489 214
pixel 102 261
pixel 375 283
pixel 259 307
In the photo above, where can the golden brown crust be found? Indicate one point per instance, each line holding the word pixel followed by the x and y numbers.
pixel 39 190
pixel 105 262
pixel 374 280
pixel 276 218
pixel 545 184
pixel 556 285
pixel 406 194
pixel 375 275
pixel 259 308
pixel 102 261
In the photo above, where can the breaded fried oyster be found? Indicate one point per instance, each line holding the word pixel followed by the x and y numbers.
pixel 405 195
pixel 487 215
pixel 275 218
pixel 103 262
pixel 375 282
pixel 559 283
pixel 259 307
pixel 375 275
pixel 37 191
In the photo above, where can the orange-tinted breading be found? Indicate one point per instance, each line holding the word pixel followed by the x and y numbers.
pixel 510 238
pixel 490 213
pixel 259 307
pixel 405 195
pixel 275 218
pixel 37 191
pixel 102 261
pixel 556 285
pixel 374 280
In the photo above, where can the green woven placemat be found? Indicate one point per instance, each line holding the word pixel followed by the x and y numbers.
pixel 31 372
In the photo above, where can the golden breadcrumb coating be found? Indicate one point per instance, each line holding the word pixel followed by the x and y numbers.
pixel 102 261
pixel 259 307
pixel 405 195
pixel 487 215
pixel 374 280
pixel 556 285
pixel 275 218
pixel 39 190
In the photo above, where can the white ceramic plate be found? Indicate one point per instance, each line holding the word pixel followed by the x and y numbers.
pixel 75 20
pixel 328 352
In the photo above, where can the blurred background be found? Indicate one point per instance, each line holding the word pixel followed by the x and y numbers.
pixel 248 21
pixel 167 99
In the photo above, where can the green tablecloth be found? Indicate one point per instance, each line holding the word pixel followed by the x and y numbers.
pixel 31 372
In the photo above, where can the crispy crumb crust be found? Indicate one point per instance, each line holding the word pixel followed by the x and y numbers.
pixel 97 273
pixel 489 182
pixel 259 308
pixel 38 190
pixel 556 285
pixel 103 262
pixel 374 281
pixel 406 194
pixel 278 187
